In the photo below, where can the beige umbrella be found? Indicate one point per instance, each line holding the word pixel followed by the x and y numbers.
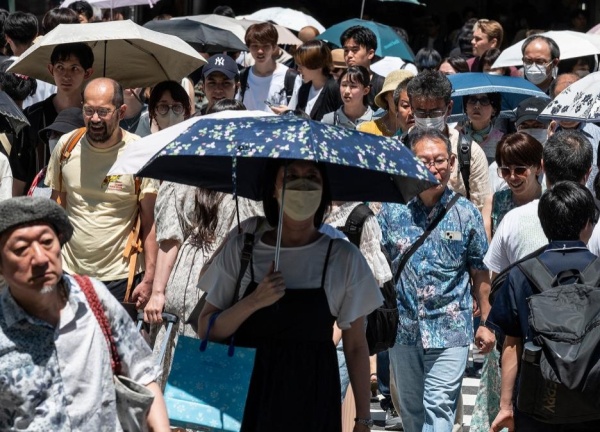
pixel 124 51
pixel 239 27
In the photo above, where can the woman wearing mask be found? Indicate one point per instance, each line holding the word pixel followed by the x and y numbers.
pixel 168 105
pixel 190 224
pixel 295 357
pixel 519 158
pixel 481 110
pixel 319 93
pixel 354 90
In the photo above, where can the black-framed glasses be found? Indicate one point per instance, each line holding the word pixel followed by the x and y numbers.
pixel 481 100
pixel 439 163
pixel 163 109
pixel 102 112
pixel 504 171
pixel 429 113
pixel 539 62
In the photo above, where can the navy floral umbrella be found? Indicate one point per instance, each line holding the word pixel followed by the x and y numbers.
pixel 229 155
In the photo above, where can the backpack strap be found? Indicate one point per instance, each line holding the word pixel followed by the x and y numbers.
pixel 66 153
pixel 289 82
pixel 416 245
pixel 244 82
pixel 303 93
pixel 355 222
pixel 591 274
pixel 537 273
pixel 246 257
pixel 464 162
pixel 134 245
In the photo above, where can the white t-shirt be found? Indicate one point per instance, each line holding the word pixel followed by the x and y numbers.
pixel 594 242
pixel 519 234
pixel 270 88
pixel 6 178
pixel 350 287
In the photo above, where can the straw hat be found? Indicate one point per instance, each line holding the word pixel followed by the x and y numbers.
pixel 338 58
pixel 391 82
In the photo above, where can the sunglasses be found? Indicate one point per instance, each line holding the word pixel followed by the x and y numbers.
pixel 483 100
pixel 504 171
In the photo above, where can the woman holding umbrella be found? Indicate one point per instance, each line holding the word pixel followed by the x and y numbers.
pixel 288 313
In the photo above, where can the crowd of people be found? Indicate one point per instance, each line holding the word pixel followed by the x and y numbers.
pixel 507 189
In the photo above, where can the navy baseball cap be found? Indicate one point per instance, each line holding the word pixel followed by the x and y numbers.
pixel 221 63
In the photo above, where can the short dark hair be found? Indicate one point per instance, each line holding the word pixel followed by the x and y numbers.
pixel 554 49
pixel 430 84
pixel 400 88
pixel 57 16
pixel 224 10
pixel 519 148
pixel 427 59
pixel 458 63
pixel 270 204
pixel 416 135
pixel 81 50
pixel 178 93
pixel 226 105
pixel 567 156
pixel 565 209
pixel 488 58
pixel 363 36
pixel 314 54
pixel 264 33
pixel 21 27
pixel 358 75
pixel 82 8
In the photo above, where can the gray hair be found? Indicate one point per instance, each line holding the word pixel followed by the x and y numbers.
pixel 416 135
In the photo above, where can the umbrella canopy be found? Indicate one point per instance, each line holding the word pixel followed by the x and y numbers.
pixel 239 27
pixel 286 17
pixel 512 89
pixel 571 43
pixel 360 166
pixel 387 65
pixel 124 51
pixel 578 102
pixel 202 36
pixel 112 4
pixel 12 119
pixel 389 43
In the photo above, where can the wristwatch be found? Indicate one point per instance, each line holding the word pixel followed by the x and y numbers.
pixel 366 422
pixel 483 323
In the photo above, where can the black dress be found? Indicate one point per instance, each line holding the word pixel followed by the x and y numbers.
pixel 295 383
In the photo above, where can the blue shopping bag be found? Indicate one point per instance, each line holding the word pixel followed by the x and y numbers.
pixel 207 389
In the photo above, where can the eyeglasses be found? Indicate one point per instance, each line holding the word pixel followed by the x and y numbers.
pixel 102 112
pixel 163 109
pixel 439 163
pixel 504 171
pixel 429 113
pixel 539 62
pixel 483 100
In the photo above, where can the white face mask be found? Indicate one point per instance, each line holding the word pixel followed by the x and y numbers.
pixel 302 199
pixel 169 119
pixel 539 134
pixel 535 73
pixel 52 143
pixel 438 123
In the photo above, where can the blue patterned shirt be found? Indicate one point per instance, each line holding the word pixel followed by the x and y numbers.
pixel 434 297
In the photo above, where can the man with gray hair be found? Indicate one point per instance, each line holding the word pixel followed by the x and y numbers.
pixel 436 242
pixel 541 56
pixel 55 364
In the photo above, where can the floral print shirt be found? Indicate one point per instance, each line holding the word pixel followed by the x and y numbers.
pixel 433 291
pixel 60 378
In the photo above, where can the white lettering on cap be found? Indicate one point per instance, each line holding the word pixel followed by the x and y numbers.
pixel 220 61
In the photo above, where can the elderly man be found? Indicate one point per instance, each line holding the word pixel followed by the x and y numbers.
pixel 103 209
pixel 541 56
pixel 434 289
pixel 55 366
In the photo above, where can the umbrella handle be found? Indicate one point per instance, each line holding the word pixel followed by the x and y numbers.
pixel 280 222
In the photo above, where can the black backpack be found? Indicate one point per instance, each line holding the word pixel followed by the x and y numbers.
pixel 382 323
pixel 288 82
pixel 560 370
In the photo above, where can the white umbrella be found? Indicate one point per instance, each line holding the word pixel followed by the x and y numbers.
pixel 389 64
pixel 578 102
pixel 286 17
pixel 138 153
pixel 124 51
pixel 571 43
pixel 112 4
